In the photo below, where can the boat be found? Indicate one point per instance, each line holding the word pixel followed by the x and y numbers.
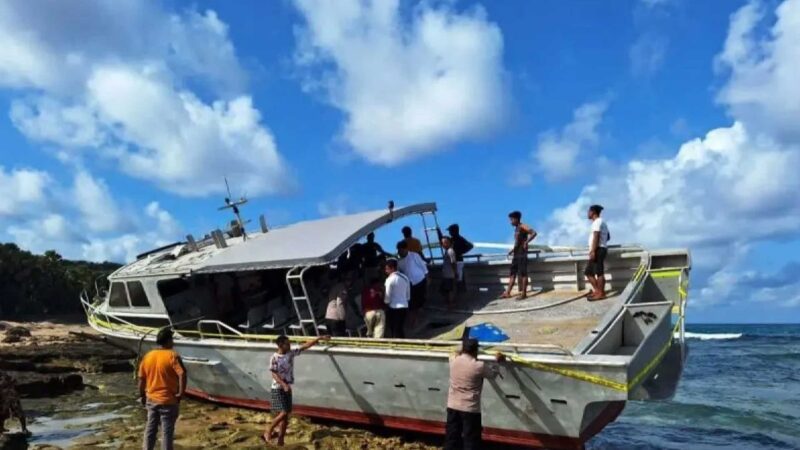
pixel 571 364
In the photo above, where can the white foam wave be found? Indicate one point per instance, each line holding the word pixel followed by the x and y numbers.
pixel 712 336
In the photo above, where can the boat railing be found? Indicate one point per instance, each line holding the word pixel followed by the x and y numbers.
pixel 219 326
pixel 109 320
pixel 225 332
pixel 540 250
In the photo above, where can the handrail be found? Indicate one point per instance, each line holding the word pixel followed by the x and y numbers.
pixel 220 326
pixel 398 344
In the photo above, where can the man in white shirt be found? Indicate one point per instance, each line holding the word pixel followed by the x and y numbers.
pixel 398 294
pixel 413 266
pixel 598 248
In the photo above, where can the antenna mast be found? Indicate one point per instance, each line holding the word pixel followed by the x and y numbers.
pixel 234 205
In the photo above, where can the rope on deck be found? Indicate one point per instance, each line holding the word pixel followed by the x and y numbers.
pixel 507 311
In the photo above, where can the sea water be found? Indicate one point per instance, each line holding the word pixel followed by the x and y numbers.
pixel 740 390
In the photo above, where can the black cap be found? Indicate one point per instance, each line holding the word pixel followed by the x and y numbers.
pixel 453 227
pixel 470 346
pixel 164 336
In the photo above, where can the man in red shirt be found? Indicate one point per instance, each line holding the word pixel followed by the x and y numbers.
pixel 373 307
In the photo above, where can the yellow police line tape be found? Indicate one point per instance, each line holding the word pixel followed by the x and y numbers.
pixel 571 373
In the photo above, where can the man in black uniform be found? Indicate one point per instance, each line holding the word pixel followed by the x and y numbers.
pixel 461 246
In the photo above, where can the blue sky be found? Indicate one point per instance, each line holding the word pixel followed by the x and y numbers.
pixel 680 117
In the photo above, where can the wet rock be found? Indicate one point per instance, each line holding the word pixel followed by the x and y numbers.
pixel 13 441
pixel 33 385
pixel 218 426
pixel 11 339
pixel 19 366
pixel 16 334
pixel 116 366
pixel 18 331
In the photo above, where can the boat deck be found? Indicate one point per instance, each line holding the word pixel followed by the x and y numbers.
pixel 556 317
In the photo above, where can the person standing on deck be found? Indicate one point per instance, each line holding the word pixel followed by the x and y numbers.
pixel 449 283
pixel 374 309
pixel 397 297
pixel 335 314
pixel 413 266
pixel 414 245
pixel 598 248
pixel 373 253
pixel 281 365
pixel 162 383
pixel 463 429
pixel 523 235
pixel 461 247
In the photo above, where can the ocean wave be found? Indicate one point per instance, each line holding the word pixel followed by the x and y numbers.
pixel 712 336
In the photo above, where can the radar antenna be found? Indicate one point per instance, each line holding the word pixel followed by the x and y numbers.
pixel 234 205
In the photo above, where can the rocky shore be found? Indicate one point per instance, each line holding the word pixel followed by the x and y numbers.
pixel 80 393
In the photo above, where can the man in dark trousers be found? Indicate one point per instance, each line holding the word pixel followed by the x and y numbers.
pixel 462 246
pixel 10 405
pixel 162 383
pixel 464 397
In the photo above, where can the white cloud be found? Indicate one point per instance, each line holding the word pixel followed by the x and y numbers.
pixel 727 192
pixel 49 120
pixel 154 227
pixel 57 51
pixel 337 206
pixel 647 54
pixel 81 221
pixel 655 3
pixel 763 89
pixel 188 145
pixel 100 212
pixel 727 187
pixel 557 151
pixel 22 191
pixel 119 79
pixel 407 87
pixel 166 224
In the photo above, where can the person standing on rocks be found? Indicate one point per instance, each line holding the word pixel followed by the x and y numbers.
pixel 281 365
pixel 10 405
pixel 162 383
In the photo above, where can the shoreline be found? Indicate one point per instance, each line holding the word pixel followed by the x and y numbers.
pixel 98 407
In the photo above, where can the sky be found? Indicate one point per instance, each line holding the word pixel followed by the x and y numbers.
pixel 119 121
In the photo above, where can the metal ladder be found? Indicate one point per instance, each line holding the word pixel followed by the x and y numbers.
pixel 428 230
pixel 302 305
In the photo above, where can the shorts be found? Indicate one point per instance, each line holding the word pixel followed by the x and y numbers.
pixel 519 265
pixel 596 267
pixel 281 401
pixel 418 294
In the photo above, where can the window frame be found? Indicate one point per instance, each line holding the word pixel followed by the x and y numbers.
pixel 125 295
pixel 130 297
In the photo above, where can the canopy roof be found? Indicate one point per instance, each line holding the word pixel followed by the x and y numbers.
pixel 309 243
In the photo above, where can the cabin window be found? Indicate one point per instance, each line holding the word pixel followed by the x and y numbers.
pixel 138 297
pixel 118 298
pixel 168 288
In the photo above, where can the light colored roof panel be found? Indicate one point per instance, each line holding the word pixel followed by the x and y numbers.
pixel 313 242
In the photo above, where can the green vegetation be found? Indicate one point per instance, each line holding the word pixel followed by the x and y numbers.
pixel 44 284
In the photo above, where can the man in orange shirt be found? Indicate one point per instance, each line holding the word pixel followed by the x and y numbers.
pixel 414 245
pixel 162 382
